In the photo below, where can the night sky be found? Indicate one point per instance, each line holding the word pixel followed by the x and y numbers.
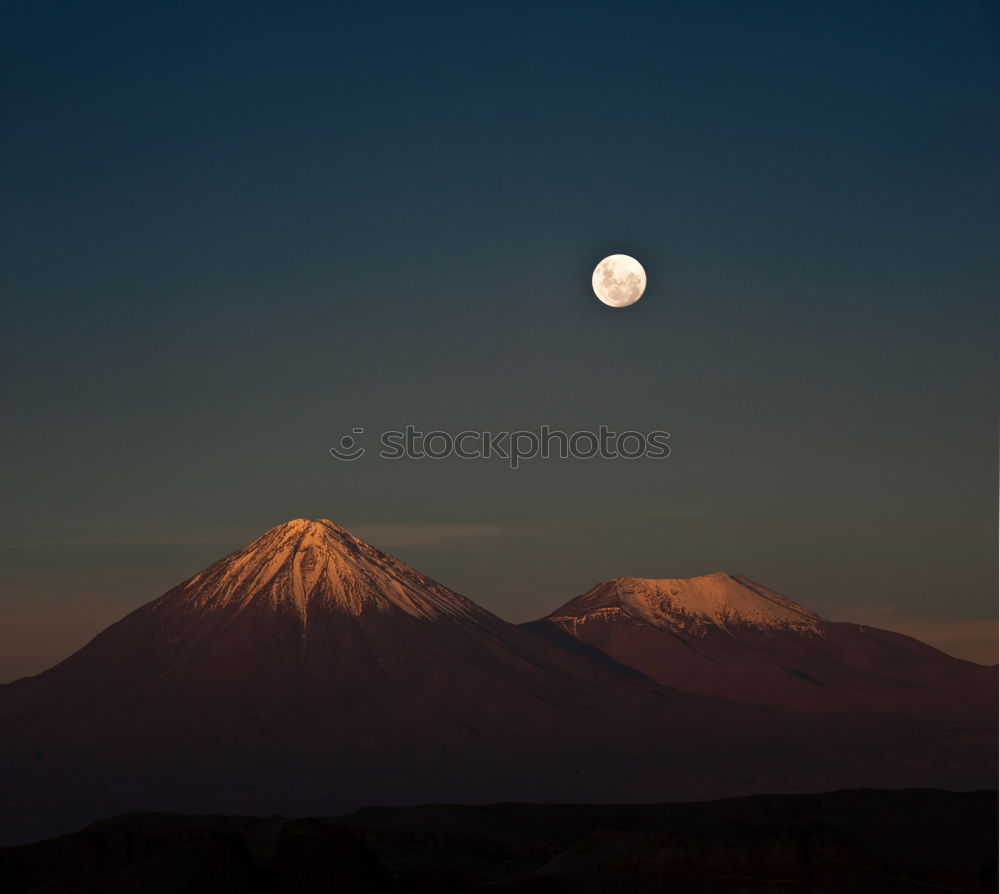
pixel 234 232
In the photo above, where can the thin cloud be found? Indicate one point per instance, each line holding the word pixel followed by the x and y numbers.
pixel 972 640
pixel 424 535
pixel 186 535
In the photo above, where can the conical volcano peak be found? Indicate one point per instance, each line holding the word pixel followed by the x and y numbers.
pixel 308 531
pixel 308 524
pixel 304 562
pixel 702 581
pixel 694 603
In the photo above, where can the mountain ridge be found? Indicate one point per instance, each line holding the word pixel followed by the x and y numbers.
pixel 717 599
pixel 310 672
pixel 726 636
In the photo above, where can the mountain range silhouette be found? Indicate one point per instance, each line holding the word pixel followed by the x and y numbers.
pixel 311 673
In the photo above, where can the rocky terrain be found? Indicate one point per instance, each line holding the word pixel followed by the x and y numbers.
pixel 850 841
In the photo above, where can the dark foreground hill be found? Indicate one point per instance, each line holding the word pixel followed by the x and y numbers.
pixel 858 841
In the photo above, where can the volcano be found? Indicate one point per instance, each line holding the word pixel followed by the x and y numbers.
pixel 309 635
pixel 724 635
pixel 311 673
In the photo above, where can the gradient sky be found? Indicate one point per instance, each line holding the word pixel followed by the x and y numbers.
pixel 234 232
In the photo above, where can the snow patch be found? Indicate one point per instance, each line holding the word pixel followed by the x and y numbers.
pixel 694 604
pixel 303 562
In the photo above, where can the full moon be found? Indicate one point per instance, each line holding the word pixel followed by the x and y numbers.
pixel 619 280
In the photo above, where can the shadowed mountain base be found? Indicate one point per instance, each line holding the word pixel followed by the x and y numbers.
pixel 862 840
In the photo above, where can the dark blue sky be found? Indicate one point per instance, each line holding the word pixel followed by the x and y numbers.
pixel 234 232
